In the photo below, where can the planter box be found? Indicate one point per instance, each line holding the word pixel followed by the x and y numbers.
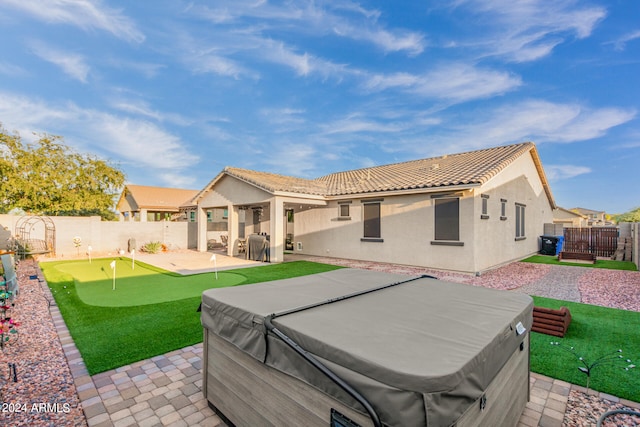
pixel 551 322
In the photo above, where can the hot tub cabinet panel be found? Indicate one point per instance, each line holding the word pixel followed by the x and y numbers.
pixel 422 352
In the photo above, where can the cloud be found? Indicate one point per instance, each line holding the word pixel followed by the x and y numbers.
pixel 358 124
pixel 621 43
pixel 10 69
pixel 84 14
pixel 531 120
pixel 343 19
pixel 135 141
pixel 303 64
pixel 458 82
pixel 527 30
pixel 141 108
pixel 543 121
pixel 71 63
pixel 560 172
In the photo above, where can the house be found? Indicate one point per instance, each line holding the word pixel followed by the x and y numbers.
pixel 569 218
pixel 466 212
pixel 145 203
pixel 595 218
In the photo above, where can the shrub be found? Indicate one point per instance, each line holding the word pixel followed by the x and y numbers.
pixel 152 247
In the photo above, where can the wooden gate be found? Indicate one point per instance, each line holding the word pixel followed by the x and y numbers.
pixel 600 241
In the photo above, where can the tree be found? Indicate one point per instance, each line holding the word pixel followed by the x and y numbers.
pixel 631 216
pixel 49 178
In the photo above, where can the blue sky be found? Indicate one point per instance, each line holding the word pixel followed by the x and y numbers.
pixel 174 91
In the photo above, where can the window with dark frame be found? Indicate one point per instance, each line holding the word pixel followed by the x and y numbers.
pixel 343 210
pixel 485 206
pixel 503 209
pixel 520 221
pixel 371 221
pixel 447 219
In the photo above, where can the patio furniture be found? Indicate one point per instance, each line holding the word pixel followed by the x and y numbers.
pixel 257 247
pixel 371 347
pixel 577 256
pixel 242 246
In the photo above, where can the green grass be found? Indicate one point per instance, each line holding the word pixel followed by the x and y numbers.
pixel 595 331
pixel 140 285
pixel 601 263
pixel 110 337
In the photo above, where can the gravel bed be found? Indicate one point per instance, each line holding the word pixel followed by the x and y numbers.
pixel 584 410
pixel 45 394
pixel 611 288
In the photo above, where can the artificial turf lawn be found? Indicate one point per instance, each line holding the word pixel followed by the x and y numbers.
pixel 138 284
pixel 594 332
pixel 110 337
pixel 601 263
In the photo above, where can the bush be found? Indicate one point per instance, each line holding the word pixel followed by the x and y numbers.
pixel 152 247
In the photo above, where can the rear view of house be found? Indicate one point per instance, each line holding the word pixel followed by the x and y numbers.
pixel 465 212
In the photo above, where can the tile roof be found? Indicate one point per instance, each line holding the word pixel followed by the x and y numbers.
pixel 472 168
pixel 160 197
pixel 275 183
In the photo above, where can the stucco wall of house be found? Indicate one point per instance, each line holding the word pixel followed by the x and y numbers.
pixel 496 242
pixel 407 229
pixel 102 236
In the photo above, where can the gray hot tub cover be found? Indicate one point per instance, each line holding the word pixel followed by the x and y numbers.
pixel 421 352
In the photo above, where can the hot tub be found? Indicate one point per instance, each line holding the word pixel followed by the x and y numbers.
pixel 417 350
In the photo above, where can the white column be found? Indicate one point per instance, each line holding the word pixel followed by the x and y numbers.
pixel 201 218
pixel 276 229
pixel 232 230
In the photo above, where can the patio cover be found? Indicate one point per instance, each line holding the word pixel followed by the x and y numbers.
pixel 421 352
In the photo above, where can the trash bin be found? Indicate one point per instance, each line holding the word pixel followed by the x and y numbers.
pixel 131 244
pixel 559 245
pixel 548 245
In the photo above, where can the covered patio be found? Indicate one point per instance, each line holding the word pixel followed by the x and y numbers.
pixel 234 224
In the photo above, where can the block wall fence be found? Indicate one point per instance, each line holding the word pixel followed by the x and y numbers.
pixel 102 236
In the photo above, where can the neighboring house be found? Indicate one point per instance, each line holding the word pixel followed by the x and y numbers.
pixel 144 203
pixel 465 212
pixel 594 218
pixel 568 218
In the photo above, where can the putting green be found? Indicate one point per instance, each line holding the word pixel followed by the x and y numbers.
pixel 139 285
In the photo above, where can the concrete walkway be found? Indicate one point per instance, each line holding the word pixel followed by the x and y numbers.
pixel 166 390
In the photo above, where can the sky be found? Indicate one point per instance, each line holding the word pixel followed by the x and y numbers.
pixel 173 91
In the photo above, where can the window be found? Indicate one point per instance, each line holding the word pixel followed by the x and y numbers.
pixel 343 210
pixel 503 209
pixel 485 207
pixel 447 213
pixel 520 221
pixel 372 221
pixel 209 216
pixel 192 216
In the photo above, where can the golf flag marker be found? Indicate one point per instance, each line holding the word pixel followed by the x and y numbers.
pixel 215 264
pixel 89 249
pixel 133 258
pixel 113 267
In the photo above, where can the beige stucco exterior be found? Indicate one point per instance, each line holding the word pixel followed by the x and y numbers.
pixel 407 221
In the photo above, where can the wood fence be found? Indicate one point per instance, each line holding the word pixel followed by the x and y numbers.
pixel 601 241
